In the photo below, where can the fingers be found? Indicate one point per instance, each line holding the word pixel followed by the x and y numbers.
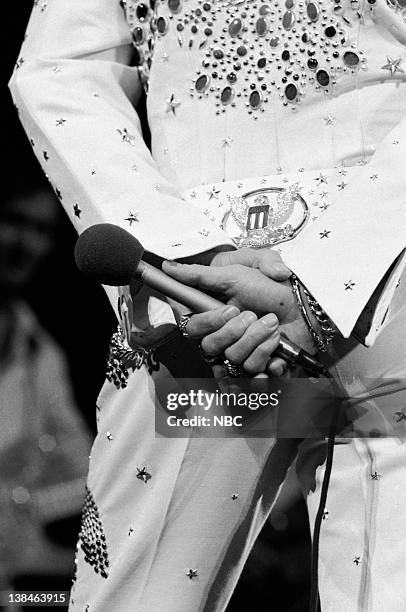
pixel 271 265
pixel 254 348
pixel 245 340
pixel 217 342
pixel 205 323
pixel 277 366
pixel 204 277
pixel 268 261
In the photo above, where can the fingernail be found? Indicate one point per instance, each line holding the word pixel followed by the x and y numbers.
pixel 249 317
pixel 285 368
pixel 270 321
pixel 170 262
pixel 230 312
pixel 280 267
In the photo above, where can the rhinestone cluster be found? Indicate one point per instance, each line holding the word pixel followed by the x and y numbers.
pixel 142 18
pixel 256 47
pixel 92 538
pixel 399 6
pixel 122 358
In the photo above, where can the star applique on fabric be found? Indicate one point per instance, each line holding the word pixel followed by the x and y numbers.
pixel 213 193
pixel 227 141
pixel 192 573
pixel 357 560
pixel 401 415
pixel 77 211
pixel 109 436
pixel 325 515
pixel 321 179
pixel 234 496
pixel 393 65
pixel 132 218
pixel 126 136
pixel 204 232
pixel 349 285
pixel 60 121
pixel 330 120
pixel 19 62
pixel 143 474
pixel 325 233
pixel 45 155
pixel 375 476
pixel 341 186
pixel 172 104
pixel 373 177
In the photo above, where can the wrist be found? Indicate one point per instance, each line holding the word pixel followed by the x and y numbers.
pixel 315 319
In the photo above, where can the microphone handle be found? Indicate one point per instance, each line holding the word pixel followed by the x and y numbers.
pixel 200 302
pixel 189 296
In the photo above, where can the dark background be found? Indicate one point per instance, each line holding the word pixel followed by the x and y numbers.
pixel 79 317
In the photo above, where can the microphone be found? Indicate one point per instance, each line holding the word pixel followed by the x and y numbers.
pixel 110 255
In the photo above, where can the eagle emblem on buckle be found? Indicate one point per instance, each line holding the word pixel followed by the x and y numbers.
pixel 265 217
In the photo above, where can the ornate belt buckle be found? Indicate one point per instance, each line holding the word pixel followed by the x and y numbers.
pixel 265 217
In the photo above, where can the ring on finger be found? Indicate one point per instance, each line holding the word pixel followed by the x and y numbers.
pixel 232 369
pixel 183 322
pixel 210 359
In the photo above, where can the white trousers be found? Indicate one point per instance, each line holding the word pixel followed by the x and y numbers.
pixel 175 519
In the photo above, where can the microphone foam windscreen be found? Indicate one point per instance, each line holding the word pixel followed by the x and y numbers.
pixel 108 254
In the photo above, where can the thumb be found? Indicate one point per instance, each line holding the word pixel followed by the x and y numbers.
pixel 271 265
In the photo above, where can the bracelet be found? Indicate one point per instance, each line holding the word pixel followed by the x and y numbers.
pixel 318 340
pixel 327 329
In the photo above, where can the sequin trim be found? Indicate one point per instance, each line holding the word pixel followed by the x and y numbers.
pixel 92 538
pixel 122 359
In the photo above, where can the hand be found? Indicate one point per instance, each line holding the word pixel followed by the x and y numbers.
pixel 241 286
pixel 250 288
pixel 268 261
pixel 240 336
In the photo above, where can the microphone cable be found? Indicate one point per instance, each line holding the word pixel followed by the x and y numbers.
pixel 314 600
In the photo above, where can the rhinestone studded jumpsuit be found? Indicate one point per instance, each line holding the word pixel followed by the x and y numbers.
pixel 242 95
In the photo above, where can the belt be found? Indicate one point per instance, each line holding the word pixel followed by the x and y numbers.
pixel 269 210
